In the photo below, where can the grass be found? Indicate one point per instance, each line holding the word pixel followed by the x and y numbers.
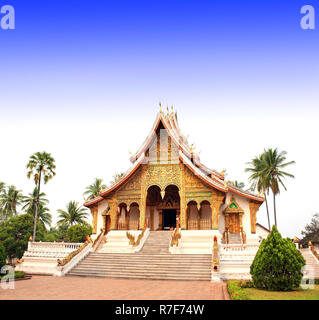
pixel 298 294
pixel 17 274
pixel 238 291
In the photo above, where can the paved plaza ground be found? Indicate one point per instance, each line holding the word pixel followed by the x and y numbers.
pixel 83 288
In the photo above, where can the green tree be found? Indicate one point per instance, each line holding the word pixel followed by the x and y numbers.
pixel 10 199
pixel 43 212
pixel 41 165
pixel 3 256
pixel 311 232
pixel 94 189
pixel 277 264
pixel 74 214
pixel 77 233
pixel 2 186
pixel 273 173
pixel 56 234
pixel 258 179
pixel 15 234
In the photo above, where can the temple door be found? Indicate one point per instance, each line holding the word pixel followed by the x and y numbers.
pixel 107 224
pixel 234 225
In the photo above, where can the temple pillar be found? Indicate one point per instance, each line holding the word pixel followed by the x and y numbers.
pixel 253 208
pixel 142 204
pixel 217 201
pixel 160 219
pixel 198 215
pixel 226 221
pixel 183 213
pixel 240 220
pixel 94 212
pixel 127 217
pixel 152 217
pixel 113 214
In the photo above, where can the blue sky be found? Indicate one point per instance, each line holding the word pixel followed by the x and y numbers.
pixel 77 55
pixel 92 73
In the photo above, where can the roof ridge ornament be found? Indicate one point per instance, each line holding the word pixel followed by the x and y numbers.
pixel 160 105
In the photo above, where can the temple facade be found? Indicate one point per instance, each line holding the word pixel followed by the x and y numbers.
pixel 167 186
pixel 168 217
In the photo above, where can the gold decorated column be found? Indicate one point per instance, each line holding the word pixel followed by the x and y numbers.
pixel 217 201
pixel 152 217
pixel 94 212
pixel 253 208
pixel 183 223
pixel 113 214
pixel 142 205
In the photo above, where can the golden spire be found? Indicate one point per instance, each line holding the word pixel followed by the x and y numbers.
pixel 192 148
pixel 172 108
pixel 167 110
pixel 223 172
pixel 160 104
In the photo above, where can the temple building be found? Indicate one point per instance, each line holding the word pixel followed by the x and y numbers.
pixel 168 217
pixel 168 185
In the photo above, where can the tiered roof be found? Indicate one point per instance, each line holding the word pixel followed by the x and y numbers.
pixel 187 156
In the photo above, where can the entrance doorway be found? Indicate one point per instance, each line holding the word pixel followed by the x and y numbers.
pixel 107 224
pixel 169 219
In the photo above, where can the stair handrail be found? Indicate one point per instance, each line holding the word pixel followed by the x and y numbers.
pixel 215 261
pixel 131 237
pixel 226 236
pixel 243 235
pixel 98 240
pixel 314 252
pixel 68 263
pixel 176 235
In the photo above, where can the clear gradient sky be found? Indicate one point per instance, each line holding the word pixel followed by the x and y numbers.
pixel 82 80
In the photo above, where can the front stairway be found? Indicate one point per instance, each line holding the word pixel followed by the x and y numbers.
pixel 234 238
pixel 153 262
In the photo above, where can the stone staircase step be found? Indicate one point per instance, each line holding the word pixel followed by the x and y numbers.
pixel 154 261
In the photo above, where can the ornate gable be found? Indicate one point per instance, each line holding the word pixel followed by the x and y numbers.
pixel 233 207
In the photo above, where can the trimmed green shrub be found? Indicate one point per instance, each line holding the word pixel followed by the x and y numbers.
pixel 277 264
pixel 235 290
pixel 246 284
pixel 17 274
pixel 78 232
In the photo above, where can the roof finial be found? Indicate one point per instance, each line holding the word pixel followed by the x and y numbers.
pixel 167 110
pixel 160 104
pixel 172 108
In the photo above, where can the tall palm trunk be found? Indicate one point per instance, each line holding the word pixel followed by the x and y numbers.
pixel 275 215
pixel 36 208
pixel 267 211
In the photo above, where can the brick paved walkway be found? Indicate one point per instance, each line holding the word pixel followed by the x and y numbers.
pixel 78 288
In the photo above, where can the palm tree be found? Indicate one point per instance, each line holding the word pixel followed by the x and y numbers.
pixel 44 215
pixel 40 165
pixel 94 189
pixel 2 186
pixel 43 212
pixel 30 200
pixel 258 179
pixel 10 199
pixel 74 214
pixel 274 163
